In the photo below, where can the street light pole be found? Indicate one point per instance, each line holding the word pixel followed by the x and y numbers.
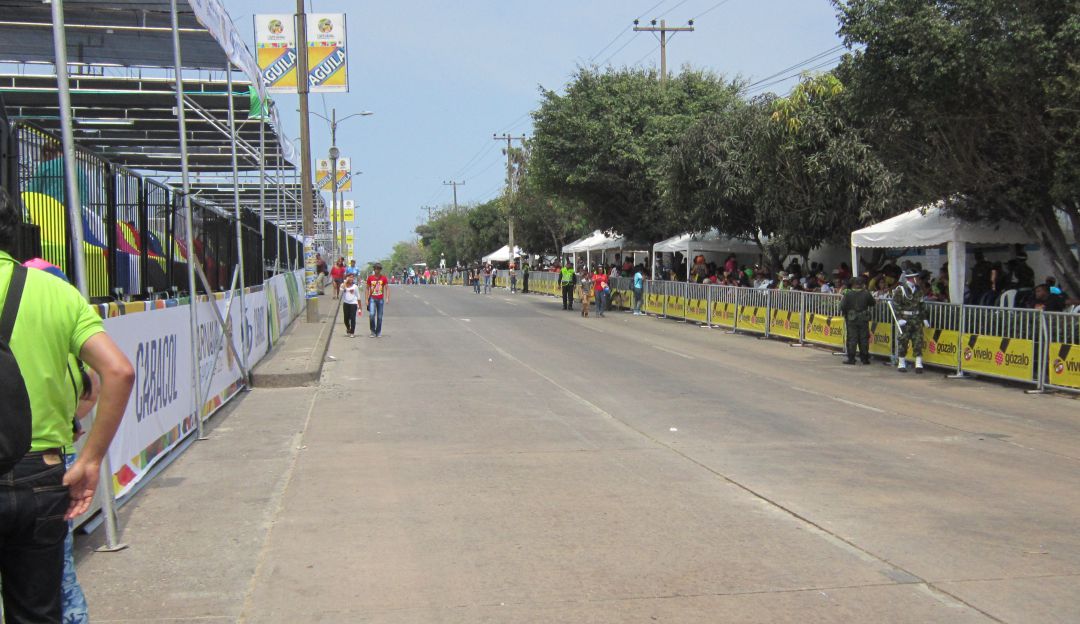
pixel 333 121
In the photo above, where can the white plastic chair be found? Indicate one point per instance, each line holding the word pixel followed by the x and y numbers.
pixel 1007 299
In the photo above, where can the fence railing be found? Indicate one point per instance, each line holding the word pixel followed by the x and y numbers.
pixel 1027 346
pixel 136 241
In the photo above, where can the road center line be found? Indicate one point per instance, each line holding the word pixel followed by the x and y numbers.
pixel 682 355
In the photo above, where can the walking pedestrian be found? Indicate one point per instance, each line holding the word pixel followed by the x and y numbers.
pixel 525 278
pixel 513 278
pixel 602 290
pixel 567 279
pixel 377 294
pixel 337 275
pixel 586 292
pixel 350 303
pixel 487 279
pixel 857 305
pixel 44 325
pixel 639 289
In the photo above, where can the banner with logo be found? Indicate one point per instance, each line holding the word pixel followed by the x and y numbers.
pixel 1064 365
pixel 881 337
pixel 723 314
pixel 753 318
pixel 942 347
pixel 1001 357
pixel 349 240
pixel 654 303
pixel 327 59
pixel 323 172
pixel 826 330
pixel 157 417
pixel 349 211
pixel 697 310
pixel 785 323
pixel 275 50
pixel 675 306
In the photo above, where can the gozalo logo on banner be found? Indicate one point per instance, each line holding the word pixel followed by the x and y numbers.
pixel 998 357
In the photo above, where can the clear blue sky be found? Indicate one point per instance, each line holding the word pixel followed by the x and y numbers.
pixel 442 77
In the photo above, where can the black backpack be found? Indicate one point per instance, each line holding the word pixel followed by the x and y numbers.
pixel 15 415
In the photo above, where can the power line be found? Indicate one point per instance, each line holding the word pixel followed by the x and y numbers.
pixel 647 54
pixel 759 88
pixel 616 52
pixel 801 63
pixel 710 9
pixel 620 35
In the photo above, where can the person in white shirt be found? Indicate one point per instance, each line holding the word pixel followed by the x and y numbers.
pixel 350 302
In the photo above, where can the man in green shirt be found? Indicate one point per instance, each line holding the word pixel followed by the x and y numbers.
pixel 37 497
pixel 567 279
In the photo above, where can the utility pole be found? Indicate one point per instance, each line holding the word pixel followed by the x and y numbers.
pixel 455 185
pixel 663 29
pixel 306 198
pixel 510 187
pixel 334 154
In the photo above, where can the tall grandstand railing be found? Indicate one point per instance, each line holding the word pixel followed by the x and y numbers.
pixel 136 244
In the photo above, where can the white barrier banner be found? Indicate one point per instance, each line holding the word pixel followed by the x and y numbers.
pixel 157 416
pixel 218 366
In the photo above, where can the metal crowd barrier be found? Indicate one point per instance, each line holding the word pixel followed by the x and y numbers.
pixel 1029 346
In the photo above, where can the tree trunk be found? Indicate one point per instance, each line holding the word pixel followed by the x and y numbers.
pixel 1047 229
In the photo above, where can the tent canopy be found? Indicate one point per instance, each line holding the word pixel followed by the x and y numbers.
pixel 596 241
pixel 931 227
pixel 709 241
pixel 502 254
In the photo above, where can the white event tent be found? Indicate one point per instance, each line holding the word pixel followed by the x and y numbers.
pixel 502 254
pixel 711 241
pixel 931 227
pixel 597 241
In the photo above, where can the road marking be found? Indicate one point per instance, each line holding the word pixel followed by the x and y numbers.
pixel 467 320
pixel 840 400
pixel 682 355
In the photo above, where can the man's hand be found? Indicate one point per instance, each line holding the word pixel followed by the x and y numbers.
pixel 81 480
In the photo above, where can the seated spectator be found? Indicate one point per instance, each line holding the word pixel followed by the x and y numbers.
pixel 1044 300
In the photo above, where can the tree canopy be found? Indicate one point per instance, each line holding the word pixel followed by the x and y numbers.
pixel 605 143
pixel 974 102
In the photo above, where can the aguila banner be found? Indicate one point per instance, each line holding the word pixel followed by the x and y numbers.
pixel 278 57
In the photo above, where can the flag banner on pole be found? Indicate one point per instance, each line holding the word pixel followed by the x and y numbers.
pixel 275 43
pixel 344 174
pixel 327 59
pixel 349 210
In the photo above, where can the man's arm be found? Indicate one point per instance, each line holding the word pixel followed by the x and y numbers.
pixel 117 378
pixel 386 292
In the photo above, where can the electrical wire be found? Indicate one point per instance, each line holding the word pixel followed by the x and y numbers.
pixel 709 10
pixel 760 88
pixel 647 55
pixel 616 52
pixel 622 32
pixel 801 63
pixel 672 9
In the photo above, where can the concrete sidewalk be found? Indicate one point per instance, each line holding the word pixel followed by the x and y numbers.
pixel 297 359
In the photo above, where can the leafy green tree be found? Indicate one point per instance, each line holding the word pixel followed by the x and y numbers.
pixel 404 255
pixel 790 170
pixel 604 144
pixel 974 102
pixel 543 222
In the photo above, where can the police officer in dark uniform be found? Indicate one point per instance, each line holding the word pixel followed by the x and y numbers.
pixel 857 305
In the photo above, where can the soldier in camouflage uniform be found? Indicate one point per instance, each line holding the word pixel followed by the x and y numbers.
pixel 857 306
pixel 907 304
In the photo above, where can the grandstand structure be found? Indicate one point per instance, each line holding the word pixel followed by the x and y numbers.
pixel 242 169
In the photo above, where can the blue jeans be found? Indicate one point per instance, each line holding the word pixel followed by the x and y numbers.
pixel 72 599
pixel 601 301
pixel 375 313
pixel 639 294
pixel 33 501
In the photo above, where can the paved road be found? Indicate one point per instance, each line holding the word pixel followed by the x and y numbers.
pixel 495 459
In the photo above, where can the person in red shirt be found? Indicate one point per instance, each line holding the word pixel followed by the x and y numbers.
pixel 338 275
pixel 376 295
pixel 601 289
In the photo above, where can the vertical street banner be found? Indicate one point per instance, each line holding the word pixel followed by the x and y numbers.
pixel 323 172
pixel 327 60
pixel 275 49
pixel 349 212
pixel 349 240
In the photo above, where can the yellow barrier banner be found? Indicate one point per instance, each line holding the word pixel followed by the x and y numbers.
pixel 942 347
pixel 675 306
pixel 723 314
pixel 697 310
pixel 881 338
pixel 827 330
pixel 654 304
pixel 753 318
pixel 785 323
pixel 1064 365
pixel 621 299
pixel 993 355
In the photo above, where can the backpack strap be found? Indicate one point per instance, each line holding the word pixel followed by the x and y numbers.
pixel 11 302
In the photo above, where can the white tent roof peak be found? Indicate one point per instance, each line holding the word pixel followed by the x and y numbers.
pixel 502 254
pixel 595 242
pixel 707 241
pixel 931 226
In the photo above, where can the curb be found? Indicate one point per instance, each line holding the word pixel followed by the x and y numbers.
pixel 316 358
